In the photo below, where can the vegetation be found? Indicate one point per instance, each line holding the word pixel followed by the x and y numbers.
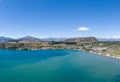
pixel 115 52
pixel 89 44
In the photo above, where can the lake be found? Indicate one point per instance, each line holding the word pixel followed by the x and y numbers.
pixel 57 66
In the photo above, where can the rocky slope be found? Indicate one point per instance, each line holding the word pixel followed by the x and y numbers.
pixel 82 40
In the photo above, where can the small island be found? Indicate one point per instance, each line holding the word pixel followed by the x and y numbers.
pixel 89 44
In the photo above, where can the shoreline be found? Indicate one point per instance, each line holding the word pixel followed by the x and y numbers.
pixel 107 55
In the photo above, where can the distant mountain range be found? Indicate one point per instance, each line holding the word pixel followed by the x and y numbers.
pixel 108 39
pixel 5 39
pixel 29 38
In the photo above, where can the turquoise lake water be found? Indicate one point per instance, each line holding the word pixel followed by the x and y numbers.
pixel 57 66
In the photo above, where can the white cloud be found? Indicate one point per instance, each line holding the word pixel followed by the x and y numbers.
pixel 82 29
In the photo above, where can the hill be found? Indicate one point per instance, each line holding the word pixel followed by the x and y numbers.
pixel 5 39
pixel 82 39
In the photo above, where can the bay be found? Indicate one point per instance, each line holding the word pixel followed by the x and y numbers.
pixel 57 66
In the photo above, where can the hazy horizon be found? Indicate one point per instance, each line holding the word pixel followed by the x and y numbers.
pixel 59 37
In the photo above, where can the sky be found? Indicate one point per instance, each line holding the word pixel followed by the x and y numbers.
pixel 60 18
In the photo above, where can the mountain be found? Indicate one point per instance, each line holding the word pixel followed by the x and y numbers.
pixel 5 39
pixel 108 39
pixel 30 38
pixel 54 39
pixel 82 39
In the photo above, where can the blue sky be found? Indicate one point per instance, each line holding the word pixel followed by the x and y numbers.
pixel 60 18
